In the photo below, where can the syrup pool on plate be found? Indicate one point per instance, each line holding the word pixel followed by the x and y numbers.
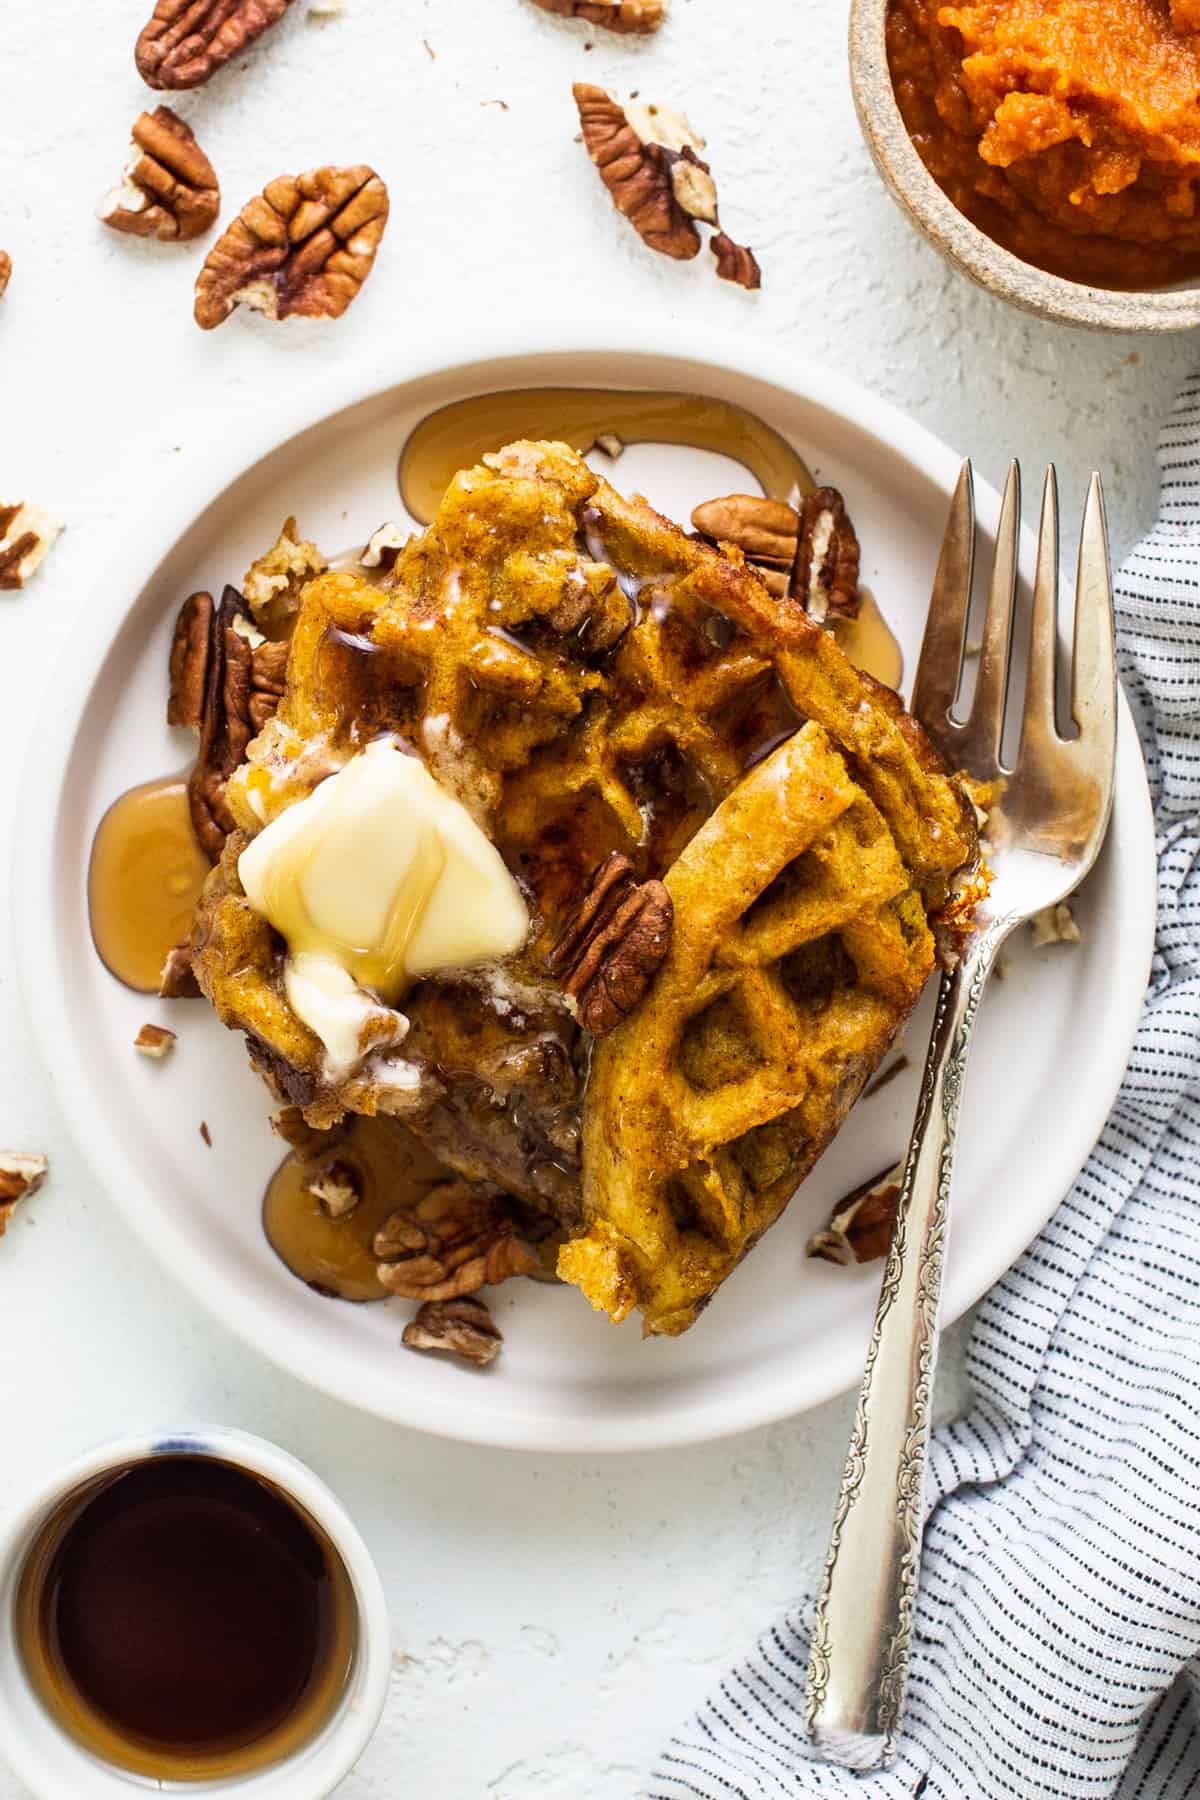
pixel 144 880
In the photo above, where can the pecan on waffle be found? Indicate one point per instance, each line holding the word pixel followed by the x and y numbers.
pixel 587 680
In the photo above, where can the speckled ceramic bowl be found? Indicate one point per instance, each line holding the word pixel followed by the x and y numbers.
pixel 960 242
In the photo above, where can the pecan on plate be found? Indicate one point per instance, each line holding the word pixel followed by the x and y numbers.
pixel 860 1226
pixel 155 1041
pixel 22 1173
pixel 766 532
pixel 613 948
pixel 169 189
pixel 464 1328
pixel 242 684
pixel 1055 925
pixel 188 668
pixel 735 262
pixel 303 247
pixel 453 1241
pixel 337 1189
pixel 27 535
pixel 5 271
pixel 185 41
pixel 638 16
pixel 274 582
pixel 825 575
pixel 178 980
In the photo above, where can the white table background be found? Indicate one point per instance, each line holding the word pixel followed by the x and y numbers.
pixel 553 1617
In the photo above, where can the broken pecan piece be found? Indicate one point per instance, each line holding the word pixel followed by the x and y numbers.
pixel 169 189
pixel 636 173
pixel 337 1188
pixel 27 535
pixel 462 1327
pixel 860 1227
pixel 155 1041
pixel 303 247
pixel 178 980
pixel 735 262
pixel 22 1173
pixel 624 16
pixel 455 1240
pixel 185 41
pixel 274 582
pixel 825 575
pixel 613 948
pixel 5 271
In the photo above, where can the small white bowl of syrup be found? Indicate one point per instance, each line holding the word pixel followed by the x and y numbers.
pixel 191 1612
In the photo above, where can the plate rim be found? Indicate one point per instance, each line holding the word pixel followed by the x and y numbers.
pixel 222 456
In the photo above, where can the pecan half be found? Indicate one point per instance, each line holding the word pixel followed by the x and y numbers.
pixel 5 271
pixel 185 41
pixel 463 1328
pixel 735 262
pixel 27 535
pixel 242 683
pixel 766 532
pixel 303 247
pixel 455 1240
pixel 639 16
pixel 169 189
pixel 155 1041
pixel 188 668
pixel 860 1227
pixel 22 1173
pixel 613 948
pixel 825 576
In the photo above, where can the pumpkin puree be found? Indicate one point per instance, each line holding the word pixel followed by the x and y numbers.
pixel 1068 130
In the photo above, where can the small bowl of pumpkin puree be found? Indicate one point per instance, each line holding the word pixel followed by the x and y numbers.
pixel 1050 148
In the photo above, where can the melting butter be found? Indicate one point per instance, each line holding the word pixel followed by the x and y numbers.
pixel 378 877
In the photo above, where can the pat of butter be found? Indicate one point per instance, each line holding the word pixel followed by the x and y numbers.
pixel 385 874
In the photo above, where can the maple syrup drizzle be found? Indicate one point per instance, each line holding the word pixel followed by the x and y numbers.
pixel 870 643
pixel 458 436
pixel 392 1169
pixel 144 879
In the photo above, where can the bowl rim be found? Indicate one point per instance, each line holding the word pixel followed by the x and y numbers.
pixel 223 456
pixel 979 256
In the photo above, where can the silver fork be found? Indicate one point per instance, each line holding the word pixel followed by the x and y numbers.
pixel 1054 814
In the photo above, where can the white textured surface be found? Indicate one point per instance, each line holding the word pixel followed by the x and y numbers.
pixel 552 1617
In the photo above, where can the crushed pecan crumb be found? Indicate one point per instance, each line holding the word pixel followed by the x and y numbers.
pixel 1055 925
pixel 185 41
pixel 178 980
pixel 640 17
pixel 22 1173
pixel 155 1041
pixel 383 546
pixel 612 949
pixel 301 248
pixel 860 1227
pixel 453 1241
pixel 337 1188
pixel 649 159
pixel 464 1328
pixel 5 271
pixel 275 581
pixel 169 189
pixel 27 535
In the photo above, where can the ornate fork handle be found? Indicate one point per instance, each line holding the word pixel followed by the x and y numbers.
pixel 862 1635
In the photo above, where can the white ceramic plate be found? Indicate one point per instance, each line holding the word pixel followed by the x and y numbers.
pixel 785 1333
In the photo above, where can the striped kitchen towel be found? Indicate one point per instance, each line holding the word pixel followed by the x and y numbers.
pixel 1057 1653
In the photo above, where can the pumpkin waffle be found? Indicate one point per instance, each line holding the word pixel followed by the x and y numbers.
pixel 590 682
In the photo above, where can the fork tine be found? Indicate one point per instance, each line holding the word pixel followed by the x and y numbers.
pixel 1093 682
pixel 1039 721
pixel 985 728
pixel 940 665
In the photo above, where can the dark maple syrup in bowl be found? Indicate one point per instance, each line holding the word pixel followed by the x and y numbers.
pixel 183 1619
